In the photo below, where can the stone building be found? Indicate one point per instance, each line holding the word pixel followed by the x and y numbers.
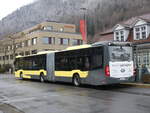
pixel 46 36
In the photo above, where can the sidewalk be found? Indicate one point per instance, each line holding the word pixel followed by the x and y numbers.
pixel 140 85
pixel 6 76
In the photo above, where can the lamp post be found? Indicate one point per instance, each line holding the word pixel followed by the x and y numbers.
pixel 85 23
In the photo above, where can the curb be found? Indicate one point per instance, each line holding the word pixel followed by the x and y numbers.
pixel 140 85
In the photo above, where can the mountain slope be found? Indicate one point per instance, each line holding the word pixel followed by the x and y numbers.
pixel 101 14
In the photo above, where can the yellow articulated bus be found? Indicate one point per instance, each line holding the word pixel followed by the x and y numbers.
pixel 97 64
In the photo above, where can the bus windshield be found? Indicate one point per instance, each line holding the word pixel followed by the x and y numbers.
pixel 120 53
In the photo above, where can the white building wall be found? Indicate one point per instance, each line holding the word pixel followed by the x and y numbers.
pixel 148 30
pixel 121 28
pixel 126 34
pixel 138 24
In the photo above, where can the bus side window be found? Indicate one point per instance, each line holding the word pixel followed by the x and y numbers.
pixel 87 63
pixel 21 63
pixel 79 63
pixel 97 61
pixel 61 63
pixel 72 63
pixel 97 58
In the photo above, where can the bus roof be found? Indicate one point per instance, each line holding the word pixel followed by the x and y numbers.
pixel 112 43
pixel 39 53
pixel 45 52
pixel 78 47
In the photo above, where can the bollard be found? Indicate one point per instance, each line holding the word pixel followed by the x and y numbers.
pixel 139 75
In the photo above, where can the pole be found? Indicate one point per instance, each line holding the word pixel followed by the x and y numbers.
pixel 85 23
pixel 137 67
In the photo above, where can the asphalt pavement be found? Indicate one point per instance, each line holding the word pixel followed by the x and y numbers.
pixel 26 96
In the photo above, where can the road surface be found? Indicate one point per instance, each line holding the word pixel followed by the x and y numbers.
pixel 25 96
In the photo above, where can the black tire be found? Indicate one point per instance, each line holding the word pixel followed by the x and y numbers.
pixel 42 77
pixel 21 76
pixel 76 80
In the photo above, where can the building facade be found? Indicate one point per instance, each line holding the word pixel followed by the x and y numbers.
pixel 46 36
pixel 135 30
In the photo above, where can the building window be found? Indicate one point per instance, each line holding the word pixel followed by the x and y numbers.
pixel 26 43
pixel 61 29
pixel 143 59
pixel 50 28
pixel 34 41
pixel 137 29
pixel 16 54
pixel 63 41
pixel 22 44
pixel 34 51
pixel 21 53
pixel 117 36
pixel 8 48
pixel 120 35
pixel 143 28
pixel 29 42
pixel 143 35
pixel 137 35
pixel 60 41
pixel 7 57
pixel 27 52
pixel 11 57
pixel 45 40
pixel 146 59
pixel 48 40
pixel 17 45
pixel 3 57
pixel 139 60
pixel 12 47
pixel 77 42
pixel 140 32
pixel 122 38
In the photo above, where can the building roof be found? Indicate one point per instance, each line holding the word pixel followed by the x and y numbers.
pixel 108 34
pixel 129 22
pixel 108 31
pixel 109 37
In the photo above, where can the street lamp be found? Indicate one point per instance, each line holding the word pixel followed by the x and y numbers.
pixel 85 23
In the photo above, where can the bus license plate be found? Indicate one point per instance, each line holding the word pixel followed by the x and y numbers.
pixel 123 78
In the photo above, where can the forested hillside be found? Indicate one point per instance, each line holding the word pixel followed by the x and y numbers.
pixel 101 14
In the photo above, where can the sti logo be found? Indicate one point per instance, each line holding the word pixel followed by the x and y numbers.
pixel 122 70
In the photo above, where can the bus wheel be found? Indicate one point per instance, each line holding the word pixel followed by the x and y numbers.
pixel 21 76
pixel 76 80
pixel 41 77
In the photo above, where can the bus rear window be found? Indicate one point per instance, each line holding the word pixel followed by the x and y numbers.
pixel 120 53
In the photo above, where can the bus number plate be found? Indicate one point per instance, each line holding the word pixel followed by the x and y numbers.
pixel 122 78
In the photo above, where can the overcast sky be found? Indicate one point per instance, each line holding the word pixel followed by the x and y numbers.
pixel 8 6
